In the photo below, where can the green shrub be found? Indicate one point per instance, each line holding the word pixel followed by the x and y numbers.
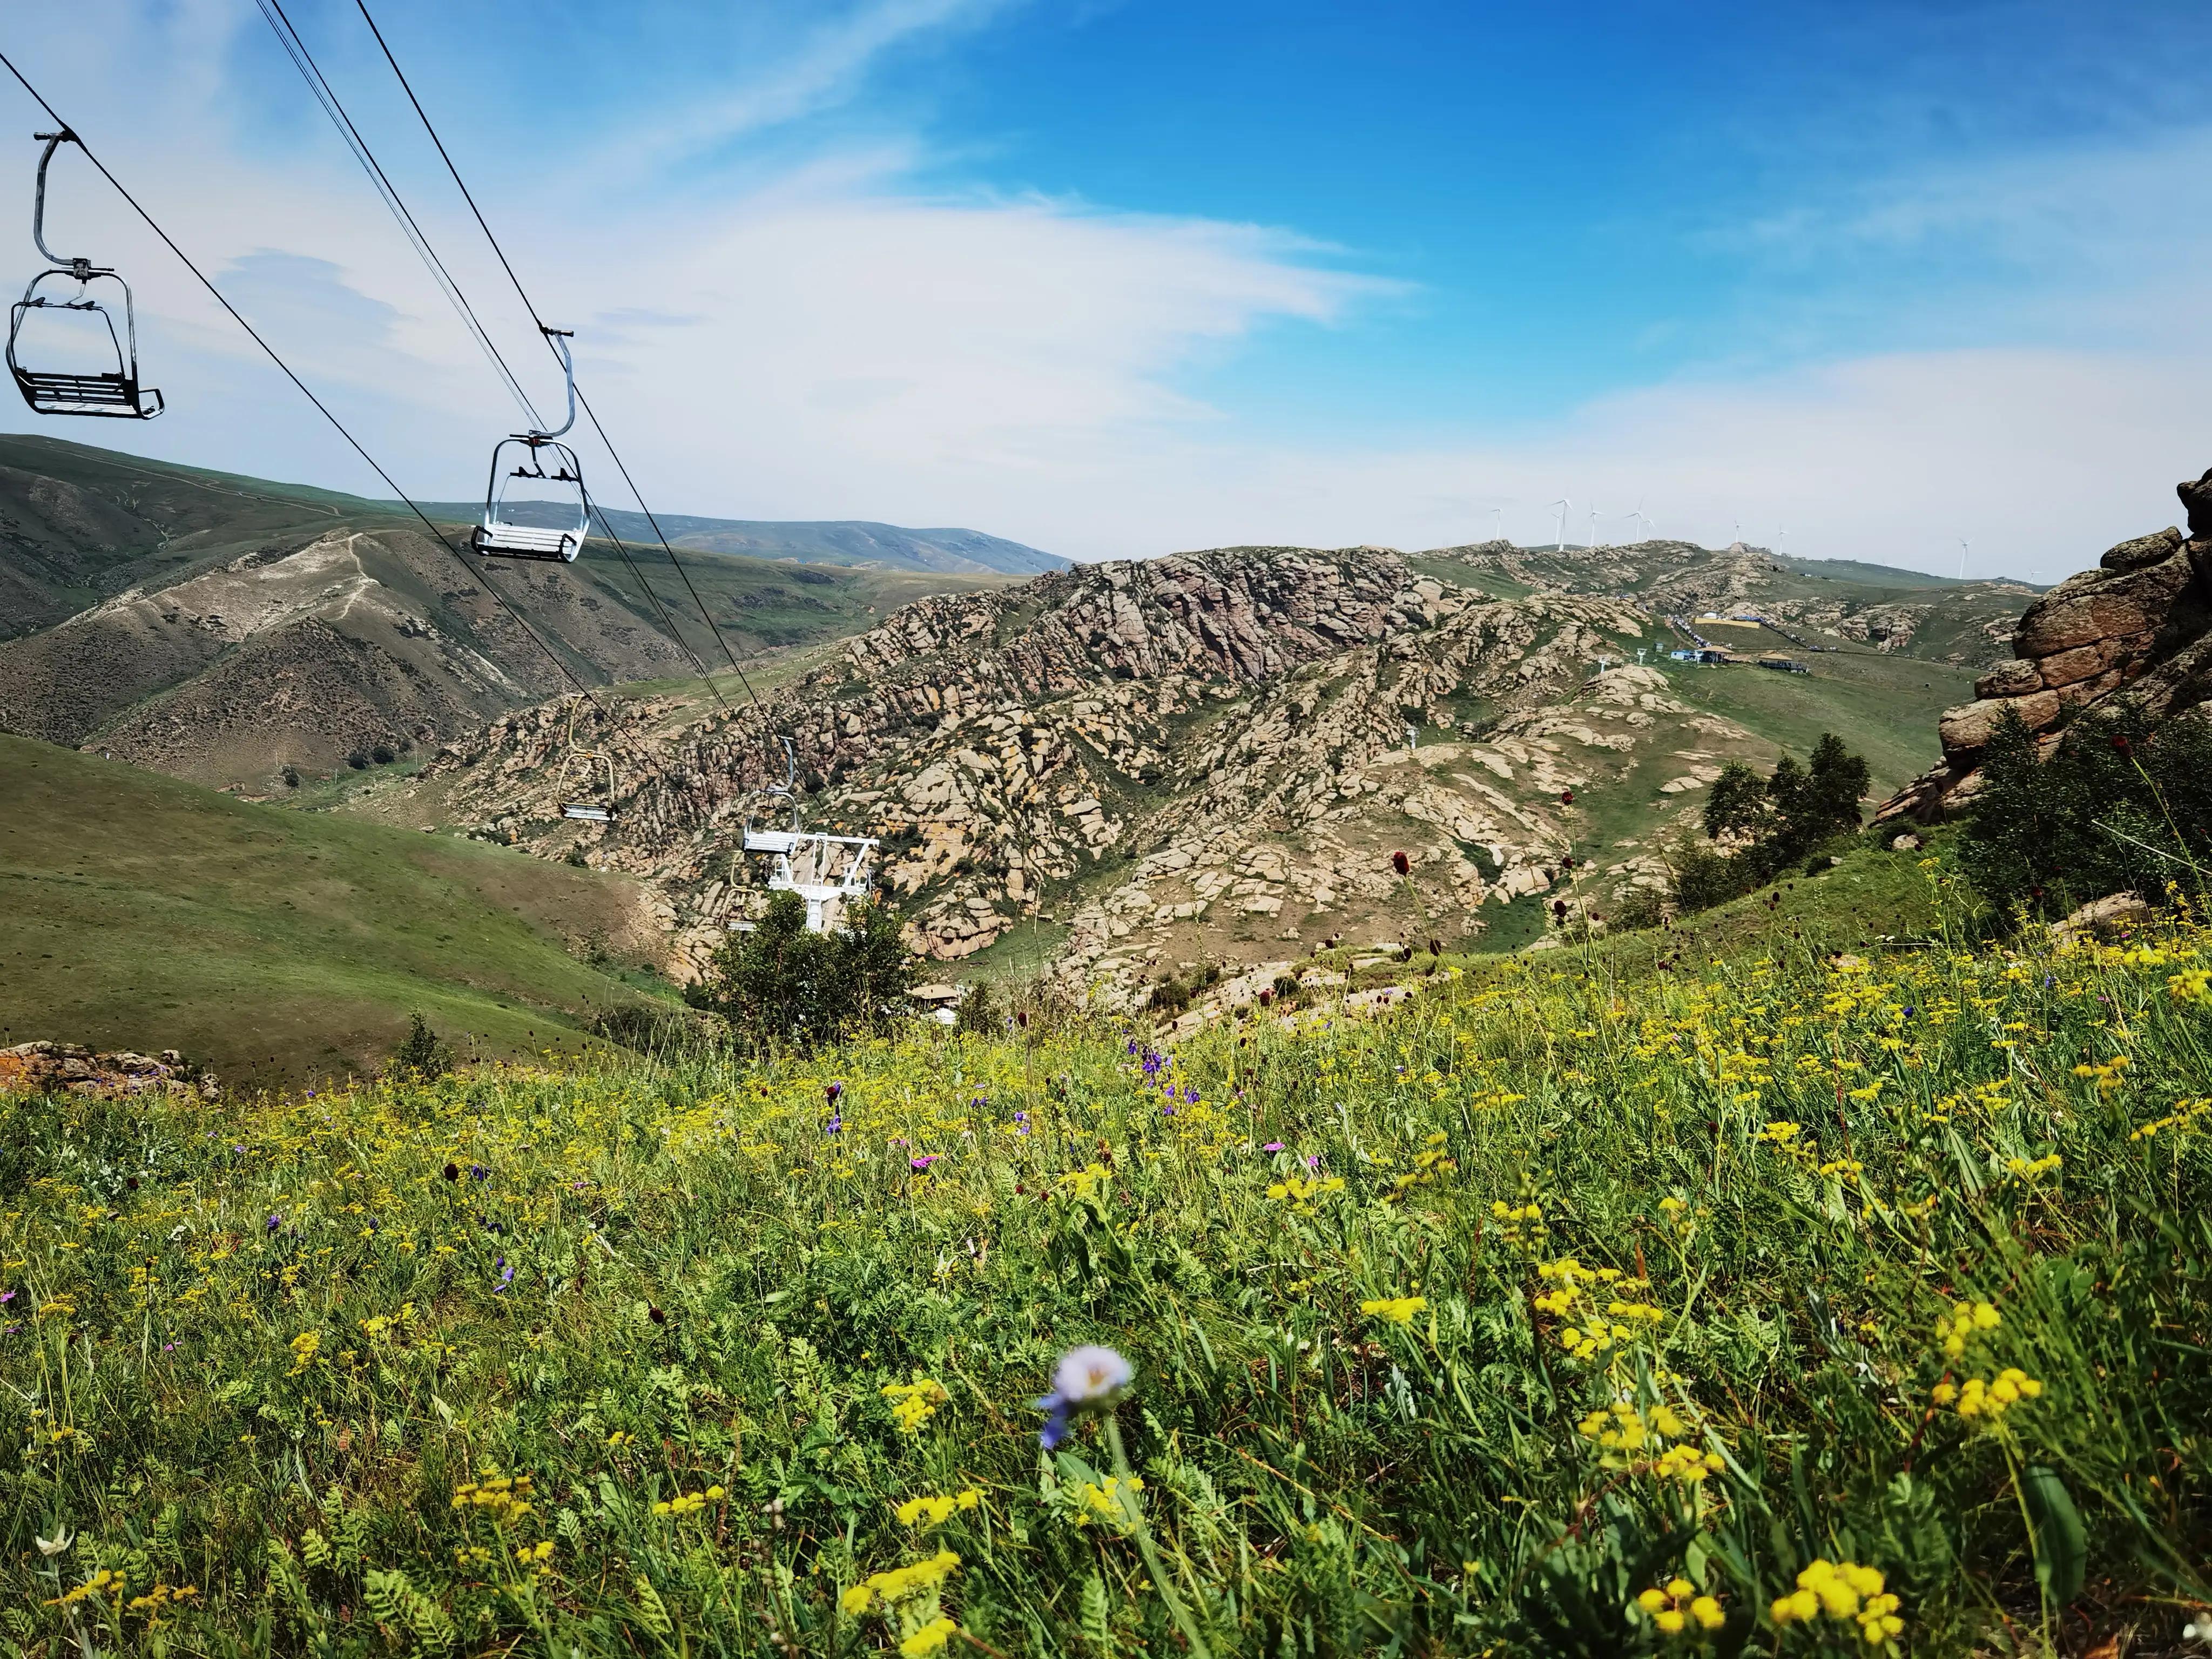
pixel 1781 820
pixel 781 984
pixel 2120 806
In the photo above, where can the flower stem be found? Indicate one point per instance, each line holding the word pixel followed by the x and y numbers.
pixel 1184 1622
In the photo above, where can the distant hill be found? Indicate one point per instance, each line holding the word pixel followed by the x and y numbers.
pixel 848 542
pixel 227 629
pixel 143 912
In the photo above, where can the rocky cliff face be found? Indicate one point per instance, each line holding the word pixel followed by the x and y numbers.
pixel 2139 626
pixel 1124 768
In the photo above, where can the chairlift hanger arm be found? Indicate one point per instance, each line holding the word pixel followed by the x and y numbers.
pixel 78 268
pixel 558 338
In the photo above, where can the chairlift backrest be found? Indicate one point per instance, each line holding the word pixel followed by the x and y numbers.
pixel 113 393
pixel 592 761
pixel 539 457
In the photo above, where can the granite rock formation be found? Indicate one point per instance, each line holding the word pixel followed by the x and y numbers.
pixel 2138 627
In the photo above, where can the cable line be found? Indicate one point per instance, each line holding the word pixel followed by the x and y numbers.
pixel 296 49
pixel 270 351
pixel 523 293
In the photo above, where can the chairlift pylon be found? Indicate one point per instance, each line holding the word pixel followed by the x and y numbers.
pixel 526 455
pixel 829 871
pixel 580 804
pixel 115 393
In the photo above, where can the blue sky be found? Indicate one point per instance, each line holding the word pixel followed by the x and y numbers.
pixel 1117 278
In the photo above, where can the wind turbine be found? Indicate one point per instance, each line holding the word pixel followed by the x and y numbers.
pixel 1781 535
pixel 1497 523
pixel 1590 537
pixel 1564 507
pixel 1635 517
pixel 1962 558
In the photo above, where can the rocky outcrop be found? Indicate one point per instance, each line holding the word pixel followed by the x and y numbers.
pixel 2138 627
pixel 68 1068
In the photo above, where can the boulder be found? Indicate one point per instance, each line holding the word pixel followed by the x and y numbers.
pixel 1966 729
pixel 2018 678
pixel 2134 555
pixel 2196 495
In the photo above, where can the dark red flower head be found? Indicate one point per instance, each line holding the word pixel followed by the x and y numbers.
pixel 1566 798
pixel 1401 864
pixel 2124 745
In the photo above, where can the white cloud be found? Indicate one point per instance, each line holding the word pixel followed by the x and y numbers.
pixel 839 343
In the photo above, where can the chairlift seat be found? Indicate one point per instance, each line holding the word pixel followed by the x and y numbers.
pixel 495 539
pixel 118 396
pixel 770 840
pixel 588 812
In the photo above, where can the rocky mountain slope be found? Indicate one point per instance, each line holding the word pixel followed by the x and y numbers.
pixel 1132 767
pixel 2138 626
pixel 1961 623
pixel 240 633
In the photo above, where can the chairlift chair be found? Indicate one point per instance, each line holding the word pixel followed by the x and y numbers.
pixel 579 804
pixel 115 393
pixel 527 456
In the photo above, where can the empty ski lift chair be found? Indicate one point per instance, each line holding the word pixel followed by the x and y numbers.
pixel 827 871
pixel 507 530
pixel 579 804
pixel 43 319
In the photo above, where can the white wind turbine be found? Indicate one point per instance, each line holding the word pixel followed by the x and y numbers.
pixel 1590 537
pixel 1564 507
pixel 1498 524
pixel 1962 558
pixel 1636 516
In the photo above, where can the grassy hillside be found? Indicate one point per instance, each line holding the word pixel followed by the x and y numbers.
pixel 1764 1308
pixel 78 524
pixel 137 911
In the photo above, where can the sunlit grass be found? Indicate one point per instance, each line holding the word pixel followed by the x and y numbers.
pixel 1542 1314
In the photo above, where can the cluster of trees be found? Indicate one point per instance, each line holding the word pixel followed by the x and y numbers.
pixel 1756 827
pixel 2119 806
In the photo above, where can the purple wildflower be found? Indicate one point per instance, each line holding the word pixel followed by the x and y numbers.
pixel 506 1277
pixel 275 1222
pixel 924 1160
pixel 836 1125
pixel 1273 1146
pixel 1088 1379
pixel 831 1091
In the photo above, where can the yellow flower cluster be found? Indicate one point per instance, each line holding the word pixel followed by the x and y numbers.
pixel 929 1638
pixel 914 1404
pixel 900 1583
pixel 2027 1169
pixel 506 1498
pixel 688 1502
pixel 1105 1502
pixel 1675 1607
pixel 102 1583
pixel 1397 1309
pixel 1842 1590
pixel 2107 1075
pixel 1429 1162
pixel 1954 1328
pixel 1083 1183
pixel 1595 1330
pixel 1622 1428
pixel 304 1349
pixel 2185 1112
pixel 2192 985
pixel 935 1511
pixel 1520 1224
pixel 1299 1193
pixel 1977 1398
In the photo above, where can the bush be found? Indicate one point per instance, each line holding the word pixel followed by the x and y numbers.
pixel 2119 806
pixel 781 984
pixel 382 754
pixel 421 1056
pixel 978 1014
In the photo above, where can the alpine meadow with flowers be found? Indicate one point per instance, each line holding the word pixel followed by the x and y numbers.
pixel 1785 1306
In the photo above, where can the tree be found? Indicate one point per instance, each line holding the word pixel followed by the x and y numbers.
pixel 1782 819
pixel 781 983
pixel 420 1056
pixel 1737 803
